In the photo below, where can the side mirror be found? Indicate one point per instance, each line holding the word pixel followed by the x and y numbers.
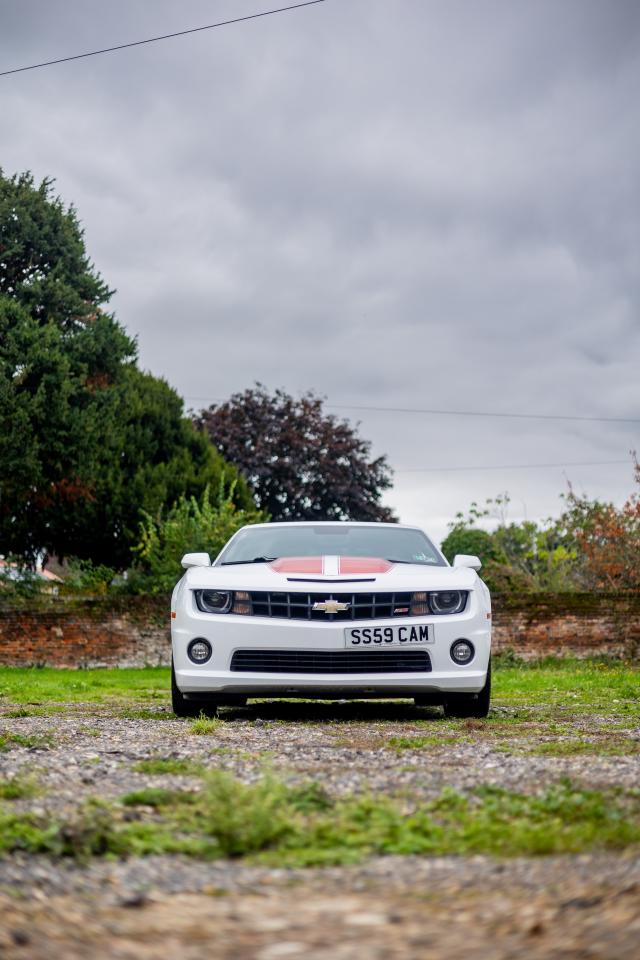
pixel 467 560
pixel 196 560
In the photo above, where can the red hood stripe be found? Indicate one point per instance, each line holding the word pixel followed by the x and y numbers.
pixel 364 565
pixel 298 565
pixel 346 565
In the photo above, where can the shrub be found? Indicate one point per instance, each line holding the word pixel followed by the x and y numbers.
pixel 189 526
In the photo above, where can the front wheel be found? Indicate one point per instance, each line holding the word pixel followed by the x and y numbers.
pixel 470 704
pixel 188 708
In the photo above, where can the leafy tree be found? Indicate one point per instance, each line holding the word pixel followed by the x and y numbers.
pixel 301 463
pixel 43 263
pixel 87 441
pixel 191 525
pixel 471 540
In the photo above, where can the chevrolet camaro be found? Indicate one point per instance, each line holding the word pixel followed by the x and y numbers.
pixel 331 610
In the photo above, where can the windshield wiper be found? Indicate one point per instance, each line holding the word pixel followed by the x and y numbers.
pixel 230 563
pixel 420 563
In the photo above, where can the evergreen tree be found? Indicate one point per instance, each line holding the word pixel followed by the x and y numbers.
pixel 87 441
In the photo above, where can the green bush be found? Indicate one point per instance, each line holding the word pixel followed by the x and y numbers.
pixel 88 578
pixel 516 557
pixel 189 526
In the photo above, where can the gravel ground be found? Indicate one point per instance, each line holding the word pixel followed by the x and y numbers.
pixel 587 906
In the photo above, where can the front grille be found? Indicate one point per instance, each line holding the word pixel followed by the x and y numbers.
pixel 331 661
pixel 299 606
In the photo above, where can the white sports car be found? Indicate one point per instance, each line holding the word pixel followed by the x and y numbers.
pixel 331 610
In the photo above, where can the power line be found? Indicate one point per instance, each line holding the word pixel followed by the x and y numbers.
pixel 165 36
pixel 457 413
pixel 516 466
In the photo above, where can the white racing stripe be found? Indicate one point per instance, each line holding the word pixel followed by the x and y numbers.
pixel 331 566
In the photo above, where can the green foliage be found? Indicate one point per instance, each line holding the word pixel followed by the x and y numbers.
pixel 463 538
pixel 243 818
pixel 170 765
pixel 49 685
pixel 83 576
pixel 189 526
pixel 19 787
pixel 516 557
pixel 301 826
pixel 88 441
pixel 45 267
pixel 592 545
pixel 19 582
pixel 152 797
pixel 203 726
pixel 29 740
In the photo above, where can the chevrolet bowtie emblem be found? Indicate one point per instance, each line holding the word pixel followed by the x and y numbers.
pixel 331 606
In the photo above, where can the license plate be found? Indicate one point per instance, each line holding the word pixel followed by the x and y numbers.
pixel 406 635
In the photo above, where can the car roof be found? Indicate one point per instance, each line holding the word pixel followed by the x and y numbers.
pixel 333 523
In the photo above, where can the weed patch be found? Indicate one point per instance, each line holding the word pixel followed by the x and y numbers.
pixel 170 765
pixel 205 726
pixel 19 788
pixel 31 741
pixel 302 826
pixel 419 743
pixel 568 748
pixel 155 797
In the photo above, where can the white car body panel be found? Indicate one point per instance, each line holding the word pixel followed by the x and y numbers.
pixel 228 632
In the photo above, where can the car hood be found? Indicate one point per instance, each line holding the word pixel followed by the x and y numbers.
pixel 336 574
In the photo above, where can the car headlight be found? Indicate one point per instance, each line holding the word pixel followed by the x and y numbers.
pixel 213 601
pixel 447 601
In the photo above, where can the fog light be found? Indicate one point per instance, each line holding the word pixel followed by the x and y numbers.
pixel 462 651
pixel 199 650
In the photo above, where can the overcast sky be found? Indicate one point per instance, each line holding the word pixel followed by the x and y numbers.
pixel 397 203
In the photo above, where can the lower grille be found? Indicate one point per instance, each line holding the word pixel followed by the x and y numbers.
pixel 331 661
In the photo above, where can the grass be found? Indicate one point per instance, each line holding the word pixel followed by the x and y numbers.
pixel 420 743
pixel 31 740
pixel 39 685
pixel 154 797
pixel 533 688
pixel 204 726
pixel 170 765
pixel 592 685
pixel 272 822
pixel 539 709
pixel 19 787
pixel 621 747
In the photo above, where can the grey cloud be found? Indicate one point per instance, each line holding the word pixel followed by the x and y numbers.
pixel 400 203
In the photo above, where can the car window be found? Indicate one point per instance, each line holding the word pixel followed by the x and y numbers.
pixel 307 540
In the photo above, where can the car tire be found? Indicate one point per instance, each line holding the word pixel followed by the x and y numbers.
pixel 470 704
pixel 183 707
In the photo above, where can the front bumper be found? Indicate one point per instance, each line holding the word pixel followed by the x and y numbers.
pixel 228 633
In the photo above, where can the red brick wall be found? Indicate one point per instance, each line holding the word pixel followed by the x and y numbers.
pixel 568 625
pixel 135 631
pixel 69 633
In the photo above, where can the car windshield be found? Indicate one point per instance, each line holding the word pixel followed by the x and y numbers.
pixel 401 544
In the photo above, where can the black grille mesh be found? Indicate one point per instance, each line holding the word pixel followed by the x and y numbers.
pixel 299 606
pixel 331 661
